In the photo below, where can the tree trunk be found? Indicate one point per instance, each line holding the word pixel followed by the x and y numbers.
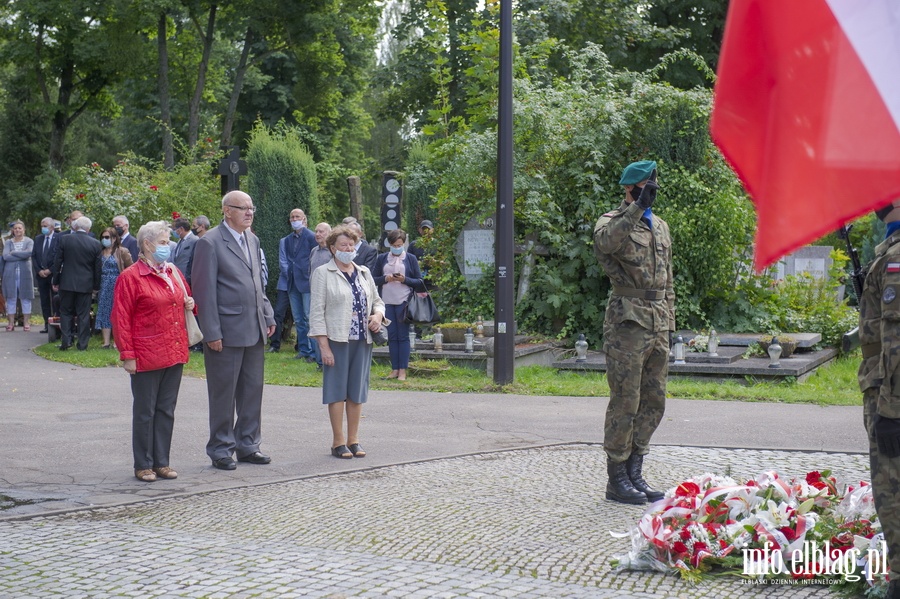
pixel 164 111
pixel 194 118
pixel 236 90
pixel 61 120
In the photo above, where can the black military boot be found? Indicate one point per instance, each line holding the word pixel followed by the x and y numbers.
pixel 619 487
pixel 633 466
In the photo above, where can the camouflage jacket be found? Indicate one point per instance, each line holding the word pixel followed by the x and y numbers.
pixel 879 327
pixel 638 262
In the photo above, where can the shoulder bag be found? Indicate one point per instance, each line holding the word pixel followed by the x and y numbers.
pixel 194 334
pixel 420 309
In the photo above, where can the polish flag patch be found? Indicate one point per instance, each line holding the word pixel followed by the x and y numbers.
pixel 893 267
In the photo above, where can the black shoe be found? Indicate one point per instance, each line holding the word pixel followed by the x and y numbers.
pixel 273 350
pixel 309 359
pixel 63 347
pixel 257 457
pixel 225 464
pixel 633 465
pixel 44 330
pixel 619 487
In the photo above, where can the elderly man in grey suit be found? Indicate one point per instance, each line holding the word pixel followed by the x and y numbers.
pixel 236 319
pixel 183 254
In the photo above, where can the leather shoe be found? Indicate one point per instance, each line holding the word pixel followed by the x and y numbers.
pixel 225 464
pixel 256 457
pixel 63 347
pixel 44 330
pixel 273 350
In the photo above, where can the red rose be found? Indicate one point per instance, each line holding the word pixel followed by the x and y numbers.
pixel 788 533
pixel 679 547
pixel 813 477
pixel 685 534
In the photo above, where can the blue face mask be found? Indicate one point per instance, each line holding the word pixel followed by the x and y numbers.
pixel 345 257
pixel 161 254
pixel 106 242
pixel 297 224
pixel 397 251
pixel 45 230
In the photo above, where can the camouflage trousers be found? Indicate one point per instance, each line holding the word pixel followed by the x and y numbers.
pixel 885 484
pixel 637 362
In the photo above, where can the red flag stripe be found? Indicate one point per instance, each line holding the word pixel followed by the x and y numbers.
pixel 798 116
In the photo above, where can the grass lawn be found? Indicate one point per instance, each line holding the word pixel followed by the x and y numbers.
pixel 834 384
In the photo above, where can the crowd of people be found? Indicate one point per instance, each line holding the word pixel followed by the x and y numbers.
pixel 337 286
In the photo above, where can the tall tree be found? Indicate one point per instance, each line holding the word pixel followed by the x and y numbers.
pixel 75 50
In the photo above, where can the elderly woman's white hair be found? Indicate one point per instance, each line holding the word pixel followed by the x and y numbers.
pixel 82 223
pixel 151 231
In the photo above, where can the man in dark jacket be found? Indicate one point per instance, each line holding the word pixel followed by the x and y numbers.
pixel 42 257
pixel 293 284
pixel 76 275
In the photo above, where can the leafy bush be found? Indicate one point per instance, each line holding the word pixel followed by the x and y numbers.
pixel 572 140
pixel 282 177
pixel 141 190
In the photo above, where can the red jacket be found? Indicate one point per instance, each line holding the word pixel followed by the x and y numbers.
pixel 148 318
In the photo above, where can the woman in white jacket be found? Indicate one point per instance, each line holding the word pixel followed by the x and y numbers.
pixel 344 308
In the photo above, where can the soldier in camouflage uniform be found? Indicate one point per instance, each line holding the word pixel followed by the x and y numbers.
pixel 879 381
pixel 635 249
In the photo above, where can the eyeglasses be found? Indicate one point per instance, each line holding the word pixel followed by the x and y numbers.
pixel 243 208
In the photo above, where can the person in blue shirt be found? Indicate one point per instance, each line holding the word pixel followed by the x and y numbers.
pixel 293 285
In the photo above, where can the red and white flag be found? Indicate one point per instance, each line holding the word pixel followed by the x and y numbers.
pixel 807 110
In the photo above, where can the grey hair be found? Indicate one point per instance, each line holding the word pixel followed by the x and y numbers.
pixel 202 221
pixel 152 230
pixel 82 223
pixel 123 217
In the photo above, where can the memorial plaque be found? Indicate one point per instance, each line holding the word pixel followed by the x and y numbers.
pixel 475 248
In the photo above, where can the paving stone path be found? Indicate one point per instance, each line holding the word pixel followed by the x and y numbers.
pixel 519 524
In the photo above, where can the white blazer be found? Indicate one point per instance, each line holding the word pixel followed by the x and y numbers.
pixel 331 302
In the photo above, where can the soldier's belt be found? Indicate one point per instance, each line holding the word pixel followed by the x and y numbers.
pixel 648 294
pixel 870 349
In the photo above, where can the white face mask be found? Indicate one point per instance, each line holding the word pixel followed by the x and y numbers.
pixel 297 224
pixel 345 257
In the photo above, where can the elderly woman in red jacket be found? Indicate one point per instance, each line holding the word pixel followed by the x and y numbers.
pixel 148 316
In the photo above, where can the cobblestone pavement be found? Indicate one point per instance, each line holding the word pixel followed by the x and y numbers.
pixel 519 524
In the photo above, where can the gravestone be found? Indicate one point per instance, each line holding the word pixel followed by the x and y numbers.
pixel 812 259
pixel 475 248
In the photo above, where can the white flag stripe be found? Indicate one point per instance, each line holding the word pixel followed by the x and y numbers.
pixel 873 28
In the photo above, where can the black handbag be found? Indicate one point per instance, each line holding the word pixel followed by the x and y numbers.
pixel 381 337
pixel 420 309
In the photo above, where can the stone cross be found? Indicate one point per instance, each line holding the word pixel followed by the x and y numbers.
pixel 231 168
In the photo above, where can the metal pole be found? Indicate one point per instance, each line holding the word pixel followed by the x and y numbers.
pixel 504 297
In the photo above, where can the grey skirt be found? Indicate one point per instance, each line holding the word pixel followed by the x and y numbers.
pixel 348 379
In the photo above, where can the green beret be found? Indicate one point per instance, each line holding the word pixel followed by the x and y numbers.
pixel 637 172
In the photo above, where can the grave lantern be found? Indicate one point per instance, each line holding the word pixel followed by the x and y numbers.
pixel 774 353
pixel 679 350
pixel 713 346
pixel 581 347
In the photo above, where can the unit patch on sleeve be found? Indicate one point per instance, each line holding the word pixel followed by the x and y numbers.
pixel 888 295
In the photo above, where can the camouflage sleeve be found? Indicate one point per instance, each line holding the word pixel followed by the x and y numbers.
pixel 670 286
pixel 612 231
pixel 887 272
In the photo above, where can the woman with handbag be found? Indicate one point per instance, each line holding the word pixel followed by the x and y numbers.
pixel 148 315
pixel 344 310
pixel 114 258
pixel 398 276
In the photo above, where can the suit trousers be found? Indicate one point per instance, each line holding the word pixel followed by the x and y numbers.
pixel 155 393
pixel 234 381
pixel 72 305
pixel 45 290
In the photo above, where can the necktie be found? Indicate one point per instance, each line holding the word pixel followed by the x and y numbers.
pixel 245 247
pixel 46 247
pixel 178 247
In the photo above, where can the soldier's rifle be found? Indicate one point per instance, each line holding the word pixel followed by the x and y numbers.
pixel 850 340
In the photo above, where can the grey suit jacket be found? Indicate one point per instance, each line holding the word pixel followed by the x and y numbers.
pixel 231 303
pixel 184 255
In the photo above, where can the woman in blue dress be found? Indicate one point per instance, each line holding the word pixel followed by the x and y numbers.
pixel 114 259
